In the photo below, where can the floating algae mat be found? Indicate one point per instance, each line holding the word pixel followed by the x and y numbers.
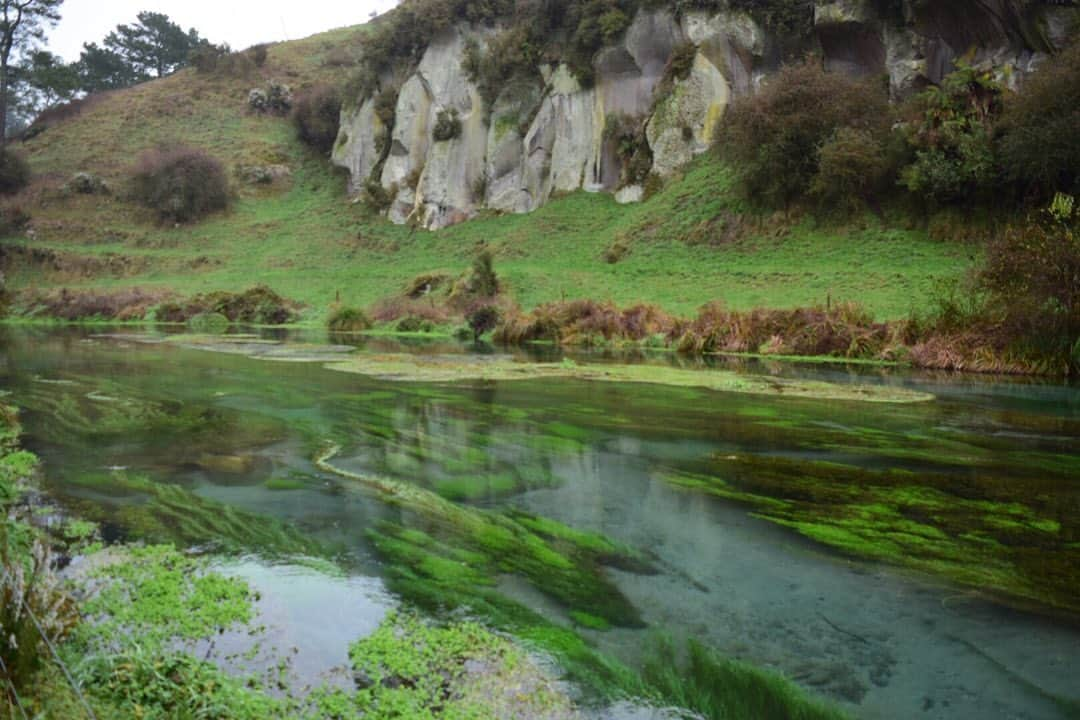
pixel 407 367
pixel 451 368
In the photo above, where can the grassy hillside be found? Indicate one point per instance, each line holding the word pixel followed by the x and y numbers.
pixel 302 236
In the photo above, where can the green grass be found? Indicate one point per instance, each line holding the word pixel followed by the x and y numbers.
pixel 306 240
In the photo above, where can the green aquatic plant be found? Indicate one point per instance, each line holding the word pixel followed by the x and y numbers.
pixel 162 512
pixel 718 688
pixel 973 529
pixel 144 685
pixel 566 566
pixel 153 596
pixel 416 669
pixel 441 369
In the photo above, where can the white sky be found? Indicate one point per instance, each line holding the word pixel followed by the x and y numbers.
pixel 240 23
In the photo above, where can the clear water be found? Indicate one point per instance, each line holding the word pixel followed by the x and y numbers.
pixel 883 641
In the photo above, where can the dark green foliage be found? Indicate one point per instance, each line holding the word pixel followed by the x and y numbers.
pixel 259 54
pixel 1032 273
pixel 482 319
pixel 950 136
pixel 774 138
pixel 414 324
pixel 784 17
pixel 386 105
pixel 348 320
pixel 851 169
pixel 258 304
pixel 376 197
pixel 14 171
pixel 154 46
pixel 180 183
pixel 102 69
pixel 316 115
pixel 1038 139
pixel 513 53
pixel 627 134
pixel 483 282
pixel 447 125
pixel 720 688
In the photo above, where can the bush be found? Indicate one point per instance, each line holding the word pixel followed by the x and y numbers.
pixel 483 281
pixel 482 319
pixel 209 322
pixel 14 171
pixel 258 55
pixel 851 169
pixel 414 324
pixel 180 183
pixel 1037 137
pixel 950 135
pixel 13 219
pixel 774 138
pixel 1030 273
pixel 259 305
pixel 206 58
pixel 29 585
pixel 84 183
pixel 348 319
pixel 447 125
pixel 316 116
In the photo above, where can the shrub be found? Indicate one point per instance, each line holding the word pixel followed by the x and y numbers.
pixel 414 324
pixel 949 131
pixel 386 106
pixel 482 319
pixel 1037 138
pixel 1031 273
pixel 447 125
pixel 783 17
pixel 28 586
pixel 258 304
pixel 84 183
pixel 316 116
pixel 348 319
pixel 376 197
pixel 13 219
pixel 206 58
pixel 14 171
pixel 627 135
pixel 258 55
pixel 774 138
pixel 180 183
pixel 851 169
pixel 209 322
pixel 483 282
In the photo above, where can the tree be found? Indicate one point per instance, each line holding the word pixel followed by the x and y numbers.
pixel 49 79
pixel 102 69
pixel 21 23
pixel 154 46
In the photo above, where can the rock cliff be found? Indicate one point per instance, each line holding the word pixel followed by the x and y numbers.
pixel 551 134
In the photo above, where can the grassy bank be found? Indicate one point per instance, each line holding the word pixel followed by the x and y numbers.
pixel 691 243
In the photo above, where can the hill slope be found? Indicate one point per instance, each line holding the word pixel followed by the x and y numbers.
pixel 689 244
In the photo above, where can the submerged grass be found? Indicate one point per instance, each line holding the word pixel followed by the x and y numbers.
pixel 974 530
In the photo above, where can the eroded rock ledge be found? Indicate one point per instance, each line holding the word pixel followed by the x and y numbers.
pixel 545 136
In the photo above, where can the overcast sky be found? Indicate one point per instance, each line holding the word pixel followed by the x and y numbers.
pixel 240 23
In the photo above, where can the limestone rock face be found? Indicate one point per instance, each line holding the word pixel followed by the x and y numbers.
pixel 684 123
pixel 545 134
pixel 356 146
